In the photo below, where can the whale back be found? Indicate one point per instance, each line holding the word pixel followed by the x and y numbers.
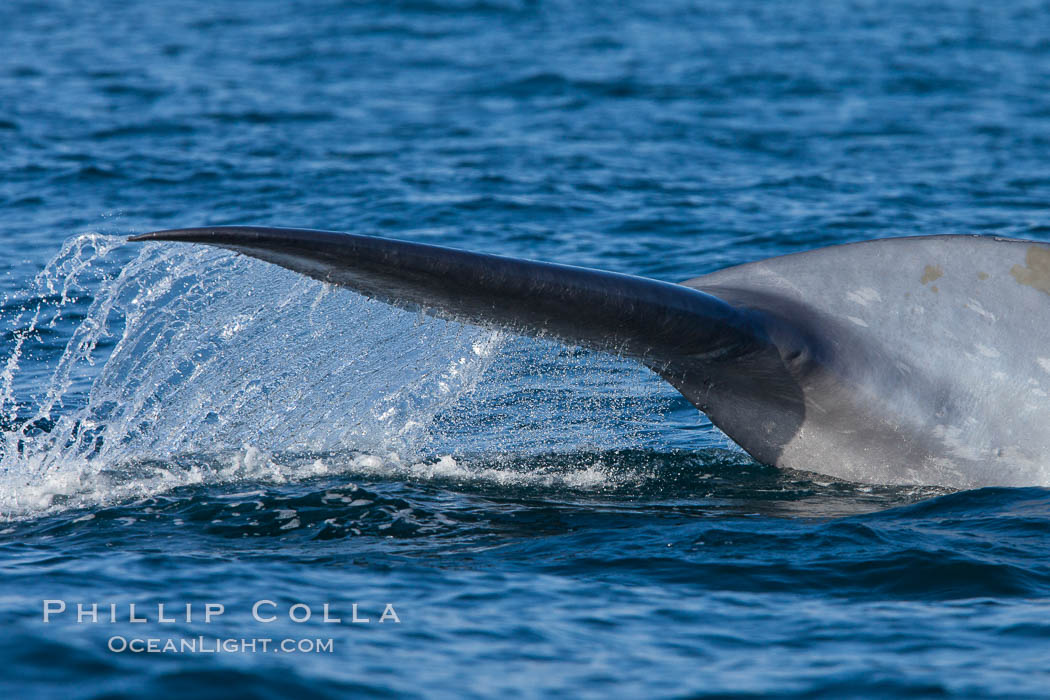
pixel 934 356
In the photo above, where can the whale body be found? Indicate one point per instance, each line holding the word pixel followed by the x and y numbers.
pixel 922 360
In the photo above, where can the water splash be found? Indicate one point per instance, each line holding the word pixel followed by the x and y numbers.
pixel 116 363
pixel 129 370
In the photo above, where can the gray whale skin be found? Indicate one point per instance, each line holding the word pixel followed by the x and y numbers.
pixel 922 360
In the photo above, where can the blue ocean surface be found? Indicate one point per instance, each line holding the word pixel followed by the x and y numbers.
pixel 275 461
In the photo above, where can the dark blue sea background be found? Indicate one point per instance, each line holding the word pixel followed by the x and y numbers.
pixel 183 427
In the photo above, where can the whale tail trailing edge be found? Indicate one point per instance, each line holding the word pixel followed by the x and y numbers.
pixel 902 360
pixel 642 318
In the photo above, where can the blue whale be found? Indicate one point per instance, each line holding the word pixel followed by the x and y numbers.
pixel 921 360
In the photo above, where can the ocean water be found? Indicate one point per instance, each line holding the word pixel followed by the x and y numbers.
pixel 181 427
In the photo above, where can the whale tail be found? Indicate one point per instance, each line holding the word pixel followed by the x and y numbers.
pixel 844 360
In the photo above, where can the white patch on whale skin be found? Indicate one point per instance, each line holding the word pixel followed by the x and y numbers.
pixel 987 351
pixel 975 306
pixel 864 296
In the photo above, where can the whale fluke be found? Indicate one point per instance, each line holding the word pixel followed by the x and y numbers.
pixel 908 360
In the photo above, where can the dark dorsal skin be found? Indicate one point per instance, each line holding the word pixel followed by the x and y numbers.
pixel 895 361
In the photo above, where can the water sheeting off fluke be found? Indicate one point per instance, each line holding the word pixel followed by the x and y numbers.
pixel 113 365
